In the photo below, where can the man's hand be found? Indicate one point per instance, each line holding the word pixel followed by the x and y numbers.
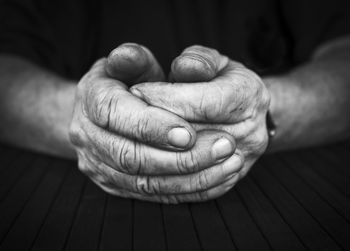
pixel 132 149
pixel 212 91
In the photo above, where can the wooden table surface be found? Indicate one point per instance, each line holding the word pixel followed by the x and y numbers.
pixel 289 201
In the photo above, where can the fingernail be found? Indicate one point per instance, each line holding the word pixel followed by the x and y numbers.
pixel 179 137
pixel 222 149
pixel 137 93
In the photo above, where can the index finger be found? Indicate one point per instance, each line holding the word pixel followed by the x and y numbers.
pixel 224 99
pixel 108 104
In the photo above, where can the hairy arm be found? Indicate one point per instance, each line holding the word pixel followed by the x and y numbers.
pixel 310 105
pixel 36 107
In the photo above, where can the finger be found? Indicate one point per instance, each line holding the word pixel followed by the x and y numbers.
pixel 239 131
pixel 225 99
pixel 197 64
pixel 128 156
pixel 175 184
pixel 202 196
pixel 133 63
pixel 108 104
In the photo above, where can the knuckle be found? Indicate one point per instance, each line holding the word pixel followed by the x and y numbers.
pixel 152 186
pixel 155 186
pixel 203 180
pixel 143 185
pixel 213 105
pixel 75 134
pixel 143 128
pixel 257 142
pixel 187 162
pixel 101 106
pixel 128 156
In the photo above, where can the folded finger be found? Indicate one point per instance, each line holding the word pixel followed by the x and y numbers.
pixel 132 157
pixel 202 196
pixel 224 98
pixel 133 63
pixel 175 184
pixel 109 104
pixel 197 64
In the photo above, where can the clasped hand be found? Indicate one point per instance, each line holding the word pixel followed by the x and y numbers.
pixel 184 141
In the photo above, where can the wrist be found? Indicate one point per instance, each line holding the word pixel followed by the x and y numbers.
pixel 64 102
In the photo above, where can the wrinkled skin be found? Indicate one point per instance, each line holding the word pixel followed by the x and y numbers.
pixel 125 146
pixel 212 91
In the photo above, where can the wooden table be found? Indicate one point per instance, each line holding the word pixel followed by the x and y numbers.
pixel 291 201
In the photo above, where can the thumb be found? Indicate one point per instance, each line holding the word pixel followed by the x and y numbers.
pixel 133 63
pixel 197 64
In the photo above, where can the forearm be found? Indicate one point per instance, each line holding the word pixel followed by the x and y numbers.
pixel 310 105
pixel 36 107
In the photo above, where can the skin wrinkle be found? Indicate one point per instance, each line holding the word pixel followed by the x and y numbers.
pixel 158 190
pixel 179 163
pixel 133 163
pixel 122 153
pixel 117 154
pixel 112 149
pixel 144 183
pixel 137 148
pixel 175 199
pixel 109 111
pixel 209 66
pixel 201 105
pixel 100 113
pixel 194 165
pixel 218 108
pixel 203 180
pixel 221 100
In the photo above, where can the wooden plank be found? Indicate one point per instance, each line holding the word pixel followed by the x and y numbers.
pixel 86 230
pixel 328 218
pixel 29 222
pixel 117 233
pixel 6 157
pixel 56 227
pixel 212 231
pixel 149 231
pixel 307 229
pixel 274 227
pixel 13 172
pixel 338 179
pixel 15 201
pixel 243 230
pixel 338 159
pixel 322 187
pixel 179 228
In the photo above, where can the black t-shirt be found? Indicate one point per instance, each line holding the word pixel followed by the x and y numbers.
pixel 269 36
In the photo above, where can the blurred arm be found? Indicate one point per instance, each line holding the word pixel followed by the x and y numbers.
pixel 35 106
pixel 311 104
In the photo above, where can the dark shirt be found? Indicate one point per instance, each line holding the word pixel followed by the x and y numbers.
pixel 268 36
